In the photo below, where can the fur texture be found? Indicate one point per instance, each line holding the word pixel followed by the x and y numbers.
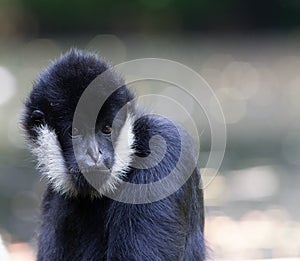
pixel 79 226
pixel 50 161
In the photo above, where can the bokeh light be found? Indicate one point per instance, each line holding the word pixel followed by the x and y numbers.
pixel 242 77
pixel 233 105
pixel 110 47
pixel 7 85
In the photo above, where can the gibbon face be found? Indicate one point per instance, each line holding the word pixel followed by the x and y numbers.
pixel 103 148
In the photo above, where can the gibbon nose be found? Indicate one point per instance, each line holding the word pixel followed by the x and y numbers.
pixel 94 154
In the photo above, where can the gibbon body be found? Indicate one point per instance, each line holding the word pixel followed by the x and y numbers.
pixel 79 221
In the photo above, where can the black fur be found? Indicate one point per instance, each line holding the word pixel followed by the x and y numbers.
pixel 85 228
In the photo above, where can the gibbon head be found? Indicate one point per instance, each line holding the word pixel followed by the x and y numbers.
pixel 103 149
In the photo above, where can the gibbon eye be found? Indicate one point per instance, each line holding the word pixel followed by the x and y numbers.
pixel 37 115
pixel 107 129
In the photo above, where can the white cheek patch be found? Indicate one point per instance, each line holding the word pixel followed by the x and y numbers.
pixel 50 161
pixel 124 153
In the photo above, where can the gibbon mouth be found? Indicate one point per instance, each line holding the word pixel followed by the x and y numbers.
pixel 91 170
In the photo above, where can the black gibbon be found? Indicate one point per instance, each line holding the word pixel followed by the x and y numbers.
pixel 81 222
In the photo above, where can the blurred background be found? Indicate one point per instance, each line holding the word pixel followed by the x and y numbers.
pixel 248 52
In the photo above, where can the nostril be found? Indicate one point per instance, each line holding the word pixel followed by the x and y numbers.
pixel 93 154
